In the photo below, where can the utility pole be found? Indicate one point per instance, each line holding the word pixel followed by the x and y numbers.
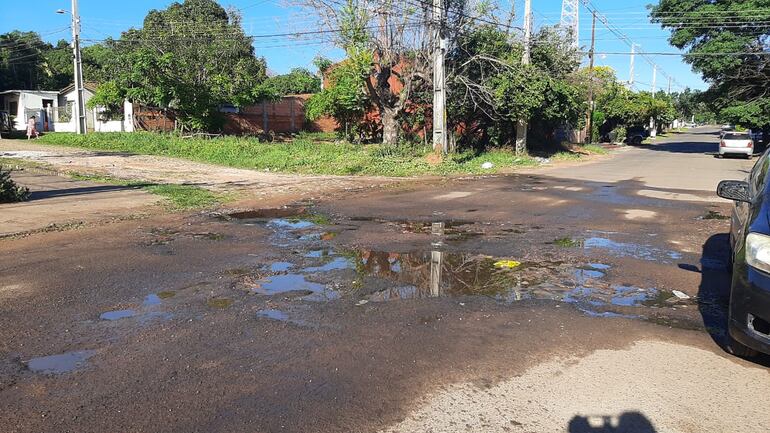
pixel 653 126
pixel 80 97
pixel 589 133
pixel 523 124
pixel 439 79
pixel 668 93
pixel 631 68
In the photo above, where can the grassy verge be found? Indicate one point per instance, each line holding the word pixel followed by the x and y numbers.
pixel 307 154
pixel 178 196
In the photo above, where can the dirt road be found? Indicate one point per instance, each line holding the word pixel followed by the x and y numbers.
pixel 538 302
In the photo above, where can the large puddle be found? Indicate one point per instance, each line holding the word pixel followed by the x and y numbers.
pixel 317 271
pixel 59 364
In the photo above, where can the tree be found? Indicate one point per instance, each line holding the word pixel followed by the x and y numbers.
pixel 298 81
pixel 191 57
pixel 726 42
pixel 395 37
pixel 489 89
pixel 22 61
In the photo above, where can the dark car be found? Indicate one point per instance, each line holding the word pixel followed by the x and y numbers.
pixel 635 135
pixel 749 310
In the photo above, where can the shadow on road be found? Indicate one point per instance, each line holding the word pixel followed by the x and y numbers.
pixel 714 290
pixel 40 195
pixel 628 422
pixel 682 147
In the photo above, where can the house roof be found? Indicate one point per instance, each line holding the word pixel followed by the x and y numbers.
pixel 43 92
pixel 88 85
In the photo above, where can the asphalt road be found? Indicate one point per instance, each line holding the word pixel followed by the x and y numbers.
pixel 535 302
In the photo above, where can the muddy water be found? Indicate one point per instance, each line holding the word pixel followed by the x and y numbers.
pixel 318 270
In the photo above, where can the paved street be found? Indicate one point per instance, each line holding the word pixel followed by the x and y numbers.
pixel 581 298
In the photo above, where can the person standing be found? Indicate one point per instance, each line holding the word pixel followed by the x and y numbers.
pixel 32 128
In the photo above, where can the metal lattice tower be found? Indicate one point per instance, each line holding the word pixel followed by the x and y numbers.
pixel 570 19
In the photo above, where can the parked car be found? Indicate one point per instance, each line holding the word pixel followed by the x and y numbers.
pixel 749 307
pixel 736 143
pixel 636 135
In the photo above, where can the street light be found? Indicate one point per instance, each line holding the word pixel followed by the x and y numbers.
pixel 78 69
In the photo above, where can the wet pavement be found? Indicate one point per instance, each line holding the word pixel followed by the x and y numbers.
pixel 384 311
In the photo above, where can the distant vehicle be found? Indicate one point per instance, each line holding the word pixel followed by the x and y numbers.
pixel 727 127
pixel 635 135
pixel 749 306
pixel 736 143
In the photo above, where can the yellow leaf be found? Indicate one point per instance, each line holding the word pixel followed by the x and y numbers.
pixel 507 264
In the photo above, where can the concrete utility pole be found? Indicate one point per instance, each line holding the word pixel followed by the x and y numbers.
pixel 81 126
pixel 439 79
pixel 631 68
pixel 668 92
pixel 589 132
pixel 654 78
pixel 522 124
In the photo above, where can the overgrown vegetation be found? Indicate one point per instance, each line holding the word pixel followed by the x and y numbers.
pixel 10 192
pixel 305 154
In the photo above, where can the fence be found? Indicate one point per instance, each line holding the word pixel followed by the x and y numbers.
pixel 284 116
pixel 148 118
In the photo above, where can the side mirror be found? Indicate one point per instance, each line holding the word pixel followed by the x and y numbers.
pixel 737 190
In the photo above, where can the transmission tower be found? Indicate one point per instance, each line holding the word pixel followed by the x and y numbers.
pixel 570 18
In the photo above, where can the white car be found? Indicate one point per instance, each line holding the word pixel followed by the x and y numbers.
pixel 736 143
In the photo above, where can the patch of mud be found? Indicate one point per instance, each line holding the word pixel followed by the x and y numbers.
pixel 60 364
pixel 280 316
pixel 270 213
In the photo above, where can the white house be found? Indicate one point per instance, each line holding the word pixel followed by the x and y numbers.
pixel 55 111
pixel 23 104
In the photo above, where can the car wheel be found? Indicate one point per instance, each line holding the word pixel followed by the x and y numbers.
pixel 737 349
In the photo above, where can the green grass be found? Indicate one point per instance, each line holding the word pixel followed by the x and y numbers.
pixel 307 153
pixel 595 149
pixel 178 196
pixel 567 242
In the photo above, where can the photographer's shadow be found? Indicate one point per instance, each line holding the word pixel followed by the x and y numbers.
pixel 627 422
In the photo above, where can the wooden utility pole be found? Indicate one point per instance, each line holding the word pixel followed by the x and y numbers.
pixel 590 125
pixel 439 79
pixel 522 124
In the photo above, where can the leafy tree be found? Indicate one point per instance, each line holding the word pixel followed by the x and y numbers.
pixel 297 81
pixel 191 57
pixel 727 43
pixel 344 98
pixel 22 61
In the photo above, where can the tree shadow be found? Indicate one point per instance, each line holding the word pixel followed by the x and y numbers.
pixel 66 192
pixel 628 422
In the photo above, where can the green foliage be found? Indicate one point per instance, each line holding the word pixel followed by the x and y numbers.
pixel 303 155
pixel 344 97
pixel 738 91
pixel 298 81
pixel 10 192
pixel 192 58
pixel 491 89
pixel 185 196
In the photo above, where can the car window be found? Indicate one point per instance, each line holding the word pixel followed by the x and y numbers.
pixel 730 136
pixel 758 174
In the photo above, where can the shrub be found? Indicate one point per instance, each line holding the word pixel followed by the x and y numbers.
pixel 9 191
pixel 619 134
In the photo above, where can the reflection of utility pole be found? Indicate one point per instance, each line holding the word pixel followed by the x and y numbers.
pixel 439 79
pixel 436 262
pixel 522 124
pixel 589 132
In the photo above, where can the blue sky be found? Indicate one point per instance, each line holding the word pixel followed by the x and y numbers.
pixel 101 18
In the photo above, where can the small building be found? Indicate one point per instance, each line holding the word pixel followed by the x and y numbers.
pixel 55 111
pixel 20 105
